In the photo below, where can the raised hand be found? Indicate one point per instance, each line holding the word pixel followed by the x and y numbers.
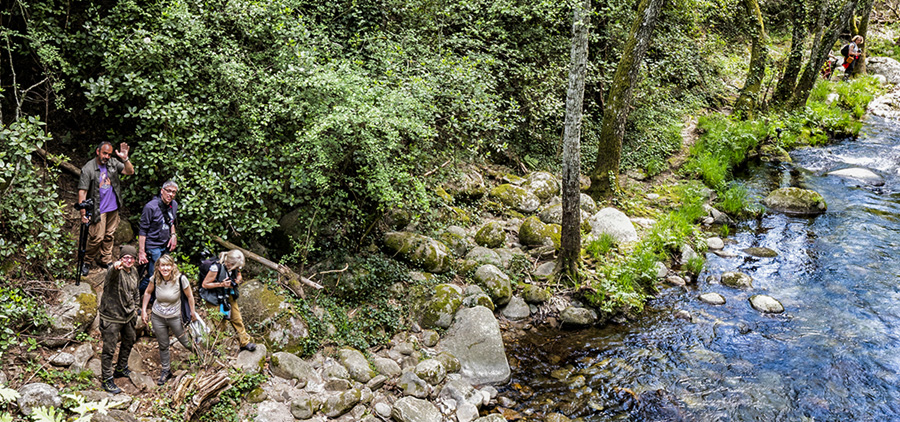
pixel 123 151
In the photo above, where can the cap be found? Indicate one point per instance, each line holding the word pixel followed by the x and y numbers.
pixel 127 250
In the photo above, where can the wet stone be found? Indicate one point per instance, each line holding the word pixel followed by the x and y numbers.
pixel 760 252
pixel 766 304
pixel 712 299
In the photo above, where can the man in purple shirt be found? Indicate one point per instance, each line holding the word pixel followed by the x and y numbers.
pixel 156 231
pixel 100 181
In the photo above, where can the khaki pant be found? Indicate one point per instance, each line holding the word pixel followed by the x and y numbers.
pixel 100 238
pixel 236 321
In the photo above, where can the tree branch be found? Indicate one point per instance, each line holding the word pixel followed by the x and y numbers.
pixel 291 280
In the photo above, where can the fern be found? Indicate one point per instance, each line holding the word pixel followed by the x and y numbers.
pixel 5 417
pixel 8 395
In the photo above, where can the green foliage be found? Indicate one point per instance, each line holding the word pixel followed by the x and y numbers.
pixel 74 381
pixel 230 400
pixel 32 240
pixel 47 414
pixel 600 247
pixel 735 200
pixel 20 313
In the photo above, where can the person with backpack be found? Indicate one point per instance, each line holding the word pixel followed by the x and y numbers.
pixel 173 308
pixel 851 53
pixel 219 282
pixel 156 230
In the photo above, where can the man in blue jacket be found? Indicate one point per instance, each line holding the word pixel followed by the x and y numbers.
pixel 156 230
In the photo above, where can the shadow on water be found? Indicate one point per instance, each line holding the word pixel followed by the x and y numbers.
pixel 831 356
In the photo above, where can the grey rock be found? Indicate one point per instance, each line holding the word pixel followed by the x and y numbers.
pixel 75 313
pixel 431 371
pixel 715 243
pixel 83 355
pixel 542 184
pixel 480 299
pixel 545 270
pixel 36 395
pixel 493 417
pixel 517 198
pixel 356 365
pixel 412 385
pixel 410 409
pixel 424 251
pixel 430 338
pixel 62 359
pixel 114 415
pixel 273 411
pixel 496 282
pixel 481 255
pixel 475 339
pixel 712 298
pixel 466 412
pixel 252 362
pixel 675 280
pixel 442 306
pixel 337 404
pixel 377 382
pixel 304 405
pixel 615 223
pixel 462 392
pixel 760 252
pixel 333 369
pixel 385 366
pixel 337 384
pixel 491 235
pixel 450 362
pixel 766 304
pixel 859 174
pixel 885 66
pixel 796 201
pixel 472 290
pixel 289 366
pixel 535 294
pixel 383 409
pixel 661 270
pixel 688 254
pixel 516 309
pixel 577 316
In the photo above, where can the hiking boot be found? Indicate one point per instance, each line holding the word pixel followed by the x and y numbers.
pixel 164 376
pixel 85 269
pixel 250 347
pixel 122 373
pixel 110 386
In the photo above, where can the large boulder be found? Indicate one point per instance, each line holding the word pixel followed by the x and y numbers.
pixel 885 66
pixel 496 282
pixel 613 222
pixel 519 199
pixel 74 314
pixel 455 238
pixel 475 339
pixel 796 201
pixel 289 366
pixel 480 255
pixel 542 184
pixel 356 365
pixel 124 233
pixel 887 106
pixel 552 214
pixel 430 254
pixel 491 235
pixel 265 308
pixel 534 232
pixel 252 362
pixel 442 306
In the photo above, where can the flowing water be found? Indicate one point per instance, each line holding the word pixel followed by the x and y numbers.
pixel 833 355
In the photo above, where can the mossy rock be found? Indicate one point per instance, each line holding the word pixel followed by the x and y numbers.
pixel 481 255
pixel 440 309
pixel 480 299
pixel 775 153
pixel 280 329
pixel 534 232
pixel 517 198
pixel 467 186
pixel 796 201
pixel 124 233
pixel 737 280
pixel 760 252
pixel 491 235
pixel 552 214
pixel 495 282
pixel 455 238
pixel 535 294
pixel 441 193
pixel 542 184
pixel 424 251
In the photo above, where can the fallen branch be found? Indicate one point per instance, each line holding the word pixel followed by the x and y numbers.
pixel 437 168
pixel 289 278
pixel 64 164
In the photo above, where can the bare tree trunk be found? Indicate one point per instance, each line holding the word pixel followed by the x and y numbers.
pixel 788 82
pixel 570 242
pixel 819 54
pixel 289 278
pixel 748 101
pixel 604 178
pixel 860 68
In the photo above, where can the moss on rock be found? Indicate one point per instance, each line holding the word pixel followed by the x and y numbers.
pixel 491 235
pixel 516 198
pixel 796 201
pixel 534 232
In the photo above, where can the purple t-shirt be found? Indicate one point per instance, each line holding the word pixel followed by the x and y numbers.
pixel 107 196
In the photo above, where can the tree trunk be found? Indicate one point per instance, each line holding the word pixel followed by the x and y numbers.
pixel 819 54
pixel 604 178
pixel 570 242
pixel 748 101
pixel 788 82
pixel 860 68
pixel 291 280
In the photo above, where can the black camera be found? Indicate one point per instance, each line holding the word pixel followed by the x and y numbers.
pixel 87 204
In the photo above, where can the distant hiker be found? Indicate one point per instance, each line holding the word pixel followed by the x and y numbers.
pixel 219 286
pixel 118 316
pixel 828 67
pixel 100 181
pixel 851 53
pixel 156 230
pixel 172 290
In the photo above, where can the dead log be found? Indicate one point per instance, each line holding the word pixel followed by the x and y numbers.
pixel 289 278
pixel 207 389
pixel 65 165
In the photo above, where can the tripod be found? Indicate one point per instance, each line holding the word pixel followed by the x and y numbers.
pixel 82 243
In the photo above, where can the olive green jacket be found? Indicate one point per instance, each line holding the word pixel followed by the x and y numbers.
pixel 90 182
pixel 121 296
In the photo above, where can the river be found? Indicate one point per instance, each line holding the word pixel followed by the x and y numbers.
pixel 831 356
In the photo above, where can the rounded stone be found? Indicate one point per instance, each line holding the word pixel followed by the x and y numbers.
pixel 736 279
pixel 766 304
pixel 712 298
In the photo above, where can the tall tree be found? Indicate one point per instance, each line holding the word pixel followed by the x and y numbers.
pixel 748 101
pixel 788 81
pixel 862 30
pixel 604 177
pixel 819 53
pixel 570 242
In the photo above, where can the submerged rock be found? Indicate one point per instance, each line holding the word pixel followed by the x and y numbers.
pixel 760 252
pixel 737 280
pixel 796 201
pixel 860 174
